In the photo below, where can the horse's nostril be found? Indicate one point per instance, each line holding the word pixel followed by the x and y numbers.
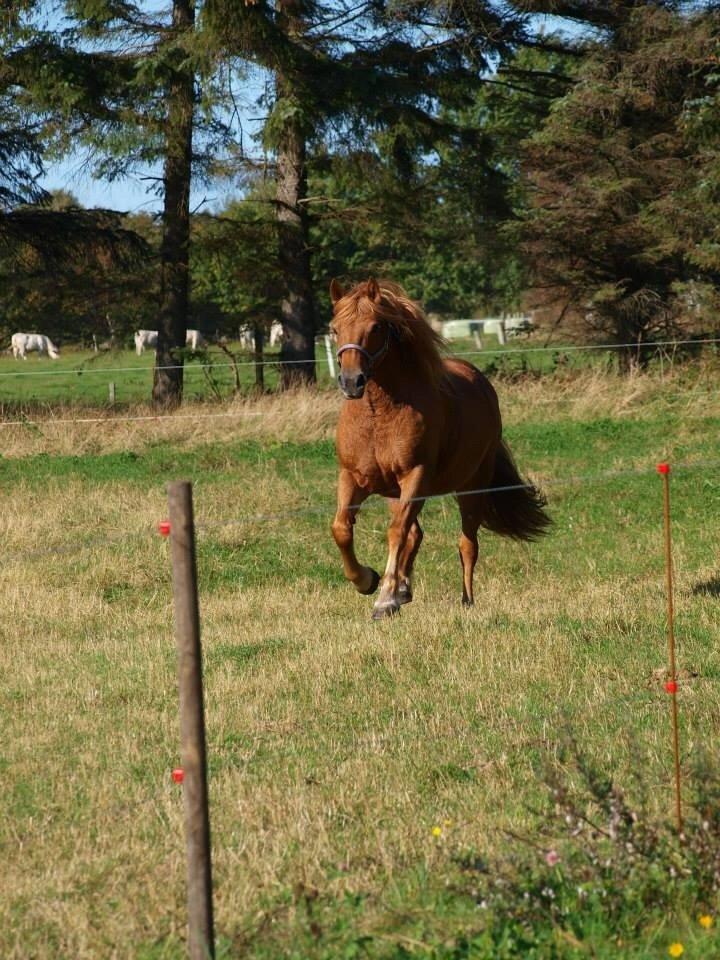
pixel 360 381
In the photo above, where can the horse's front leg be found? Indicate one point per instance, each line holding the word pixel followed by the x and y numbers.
pixel 404 514
pixel 407 561
pixel 349 498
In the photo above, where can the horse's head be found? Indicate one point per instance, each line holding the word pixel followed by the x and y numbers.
pixel 363 337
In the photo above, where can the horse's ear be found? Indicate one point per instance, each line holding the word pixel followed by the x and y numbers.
pixel 336 291
pixel 373 290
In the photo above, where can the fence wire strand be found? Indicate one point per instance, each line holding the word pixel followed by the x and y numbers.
pixel 275 362
pixel 328 509
pixel 154 418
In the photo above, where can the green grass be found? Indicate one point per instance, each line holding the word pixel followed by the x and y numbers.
pixel 335 743
pixel 81 377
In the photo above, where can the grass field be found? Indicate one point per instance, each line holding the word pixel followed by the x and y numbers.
pixel 337 745
pixel 81 377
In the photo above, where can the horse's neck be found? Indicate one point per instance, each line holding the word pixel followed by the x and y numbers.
pixel 393 387
pixel 398 380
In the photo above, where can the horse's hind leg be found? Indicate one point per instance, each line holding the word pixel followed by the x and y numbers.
pixel 349 497
pixel 407 561
pixel 470 515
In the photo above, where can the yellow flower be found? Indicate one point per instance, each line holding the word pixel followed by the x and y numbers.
pixel 705 921
pixel 676 949
pixel 436 831
pixel 448 823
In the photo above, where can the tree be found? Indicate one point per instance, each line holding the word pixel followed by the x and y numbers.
pixel 434 220
pixel 94 292
pixel 39 239
pixel 604 232
pixel 235 275
pixel 177 175
pixel 343 73
pixel 144 107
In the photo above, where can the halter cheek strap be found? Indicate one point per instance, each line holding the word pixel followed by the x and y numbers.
pixel 372 358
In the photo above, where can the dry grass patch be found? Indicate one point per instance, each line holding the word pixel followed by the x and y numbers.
pixel 309 415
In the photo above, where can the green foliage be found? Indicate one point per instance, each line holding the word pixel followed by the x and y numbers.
pixel 434 221
pixel 235 277
pixel 72 273
pixel 611 229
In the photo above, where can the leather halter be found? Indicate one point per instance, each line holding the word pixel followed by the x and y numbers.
pixel 372 358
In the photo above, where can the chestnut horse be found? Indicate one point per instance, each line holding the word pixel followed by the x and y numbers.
pixel 415 424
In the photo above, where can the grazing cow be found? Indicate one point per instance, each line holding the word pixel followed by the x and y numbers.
pixel 194 339
pixel 23 343
pixel 246 335
pixel 145 338
pixel 276 333
pixel 149 338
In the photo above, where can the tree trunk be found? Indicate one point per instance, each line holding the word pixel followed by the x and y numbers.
pixel 297 309
pixel 175 248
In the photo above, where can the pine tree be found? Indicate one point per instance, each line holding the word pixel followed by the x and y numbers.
pixel 177 175
pixel 147 113
pixel 35 72
pixel 342 74
pixel 607 232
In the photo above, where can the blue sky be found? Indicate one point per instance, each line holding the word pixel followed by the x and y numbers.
pixel 131 194
pixel 128 194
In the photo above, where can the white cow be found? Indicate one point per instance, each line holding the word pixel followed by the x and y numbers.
pixel 247 335
pixel 149 338
pixel 23 343
pixel 194 339
pixel 276 333
pixel 145 338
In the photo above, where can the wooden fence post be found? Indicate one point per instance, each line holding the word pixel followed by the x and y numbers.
pixel 201 941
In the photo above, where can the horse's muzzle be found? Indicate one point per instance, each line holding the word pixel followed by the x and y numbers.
pixel 352 385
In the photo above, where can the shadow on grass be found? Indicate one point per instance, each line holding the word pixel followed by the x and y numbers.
pixel 707 588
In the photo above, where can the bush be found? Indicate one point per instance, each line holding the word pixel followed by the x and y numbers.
pixel 602 878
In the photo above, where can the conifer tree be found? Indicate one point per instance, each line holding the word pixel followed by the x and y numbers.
pixel 146 115
pixel 607 230
pixel 342 73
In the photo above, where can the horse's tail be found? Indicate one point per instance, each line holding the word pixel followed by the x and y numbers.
pixel 515 509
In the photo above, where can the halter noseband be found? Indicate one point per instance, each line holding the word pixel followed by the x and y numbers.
pixel 372 358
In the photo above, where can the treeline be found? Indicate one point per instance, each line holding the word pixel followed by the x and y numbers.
pixel 462 149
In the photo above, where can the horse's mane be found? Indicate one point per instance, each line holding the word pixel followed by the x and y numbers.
pixel 410 325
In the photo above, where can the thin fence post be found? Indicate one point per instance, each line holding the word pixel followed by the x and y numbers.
pixel 671 685
pixel 330 356
pixel 111 393
pixel 201 942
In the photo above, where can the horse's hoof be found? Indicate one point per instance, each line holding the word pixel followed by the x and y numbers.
pixel 373 584
pixel 404 593
pixel 467 603
pixel 386 610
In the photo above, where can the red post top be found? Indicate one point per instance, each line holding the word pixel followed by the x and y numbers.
pixel 671 686
pixel 663 468
pixel 164 528
pixel 178 775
